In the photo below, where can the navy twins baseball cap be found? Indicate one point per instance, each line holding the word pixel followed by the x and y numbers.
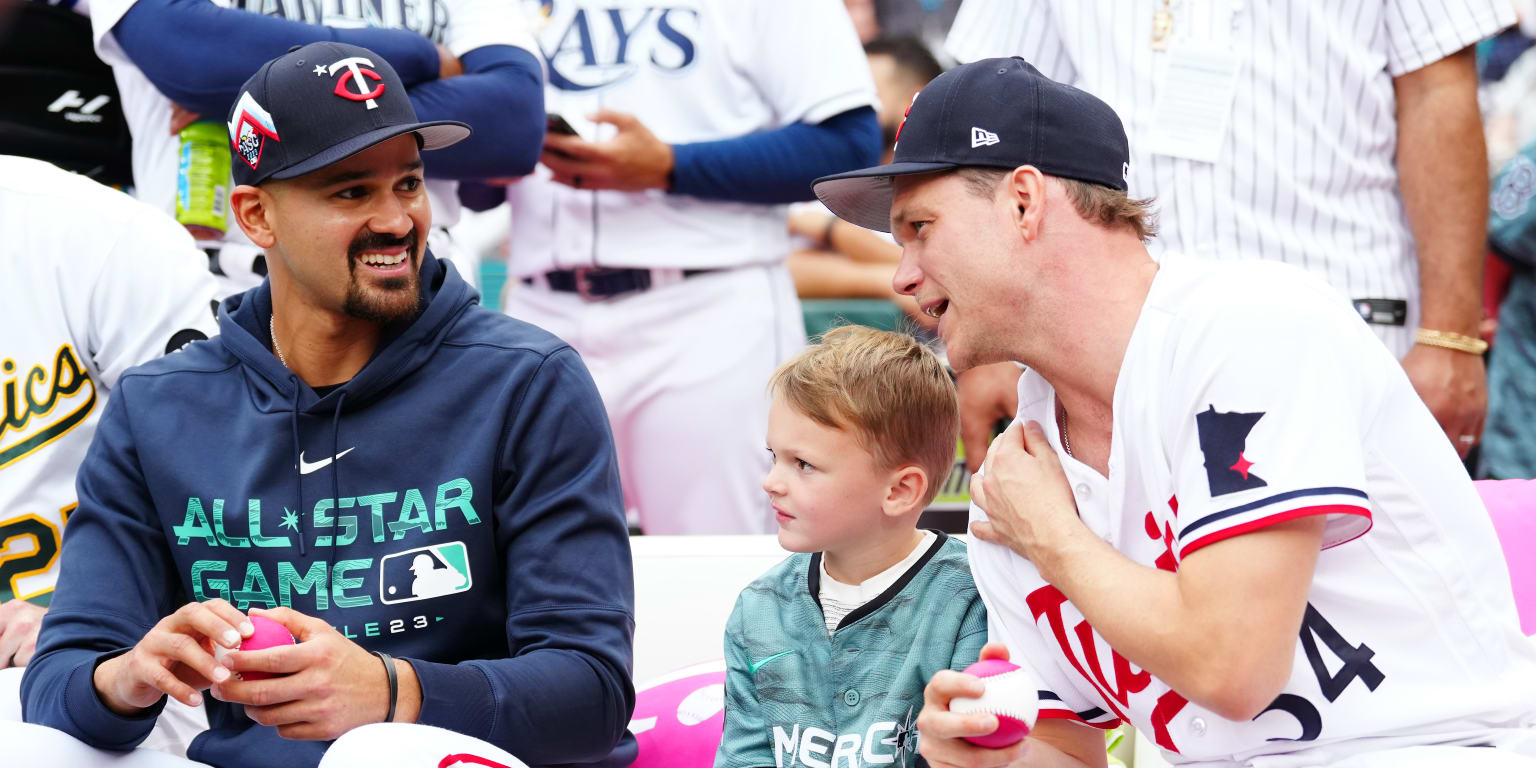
pixel 320 103
pixel 995 113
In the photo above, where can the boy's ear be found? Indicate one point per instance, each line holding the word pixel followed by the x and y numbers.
pixel 909 485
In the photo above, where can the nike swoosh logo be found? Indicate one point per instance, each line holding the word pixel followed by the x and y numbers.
pixel 753 668
pixel 306 467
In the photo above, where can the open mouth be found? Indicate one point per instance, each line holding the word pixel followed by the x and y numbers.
pixel 388 261
pixel 936 309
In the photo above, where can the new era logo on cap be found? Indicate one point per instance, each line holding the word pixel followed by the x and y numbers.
pixel 981 137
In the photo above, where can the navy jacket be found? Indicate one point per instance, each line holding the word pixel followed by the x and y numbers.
pixel 455 504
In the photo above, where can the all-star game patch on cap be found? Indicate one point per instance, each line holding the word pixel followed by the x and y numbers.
pixel 320 103
pixel 995 113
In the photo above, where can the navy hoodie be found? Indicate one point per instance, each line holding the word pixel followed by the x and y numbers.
pixel 470 522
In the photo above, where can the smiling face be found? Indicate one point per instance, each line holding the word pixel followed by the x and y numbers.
pixel 962 260
pixel 349 237
pixel 825 487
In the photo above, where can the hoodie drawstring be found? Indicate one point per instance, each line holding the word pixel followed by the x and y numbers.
pixel 336 465
pixel 298 463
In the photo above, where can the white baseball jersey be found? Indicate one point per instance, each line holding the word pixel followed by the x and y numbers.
pixel 95 282
pixel 691 70
pixel 459 25
pixel 1251 394
pixel 1306 172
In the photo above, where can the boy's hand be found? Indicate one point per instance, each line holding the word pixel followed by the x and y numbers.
pixel 942 742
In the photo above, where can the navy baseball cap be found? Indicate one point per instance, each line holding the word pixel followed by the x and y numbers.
pixel 994 113
pixel 320 103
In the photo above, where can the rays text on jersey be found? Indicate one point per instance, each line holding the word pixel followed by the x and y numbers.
pixel 35 395
pixel 593 49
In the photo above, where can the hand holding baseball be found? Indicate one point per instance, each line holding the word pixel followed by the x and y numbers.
pixel 318 689
pixel 174 658
pixel 944 731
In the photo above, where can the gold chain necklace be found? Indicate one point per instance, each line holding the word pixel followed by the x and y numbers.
pixel 1061 424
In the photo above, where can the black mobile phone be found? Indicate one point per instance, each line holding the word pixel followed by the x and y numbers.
pixel 557 124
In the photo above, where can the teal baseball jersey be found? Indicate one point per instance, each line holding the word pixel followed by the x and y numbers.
pixel 796 696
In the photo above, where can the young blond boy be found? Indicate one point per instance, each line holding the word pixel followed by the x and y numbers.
pixel 828 652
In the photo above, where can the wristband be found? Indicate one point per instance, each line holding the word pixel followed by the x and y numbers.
pixel 1449 340
pixel 394 683
pixel 826 234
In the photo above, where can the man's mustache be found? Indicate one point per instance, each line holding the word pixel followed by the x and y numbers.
pixel 376 241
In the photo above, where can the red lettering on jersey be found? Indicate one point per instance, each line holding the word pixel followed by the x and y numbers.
pixel 1126 681
pixel 1168 707
pixel 1047 601
pixel 1165 561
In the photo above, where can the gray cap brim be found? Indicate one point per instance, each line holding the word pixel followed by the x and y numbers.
pixel 863 197
pixel 434 135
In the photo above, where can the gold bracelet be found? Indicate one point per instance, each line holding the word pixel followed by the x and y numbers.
pixel 1450 340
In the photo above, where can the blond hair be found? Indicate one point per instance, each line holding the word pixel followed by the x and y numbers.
pixel 891 392
pixel 1107 206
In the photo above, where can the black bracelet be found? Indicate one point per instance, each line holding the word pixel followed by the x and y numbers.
pixel 394 683
pixel 826 234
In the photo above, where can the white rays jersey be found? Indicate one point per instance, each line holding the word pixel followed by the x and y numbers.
pixel 1250 394
pixel 691 71
pixel 94 282
pixel 459 25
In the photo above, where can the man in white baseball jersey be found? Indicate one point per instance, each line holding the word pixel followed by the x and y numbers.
pixel 465 60
pixel 1343 140
pixel 1254 545
pixel 654 240
pixel 95 283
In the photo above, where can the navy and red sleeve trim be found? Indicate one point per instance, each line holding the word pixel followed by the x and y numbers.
pixel 1330 500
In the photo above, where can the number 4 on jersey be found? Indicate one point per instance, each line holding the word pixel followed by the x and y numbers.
pixel 1355 664
pixel 1356 659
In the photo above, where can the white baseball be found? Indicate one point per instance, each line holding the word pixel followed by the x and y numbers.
pixel 1012 694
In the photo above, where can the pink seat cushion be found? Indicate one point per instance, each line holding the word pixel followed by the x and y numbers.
pixel 1512 505
pixel 678 720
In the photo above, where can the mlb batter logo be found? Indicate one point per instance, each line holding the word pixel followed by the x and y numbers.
pixel 427 572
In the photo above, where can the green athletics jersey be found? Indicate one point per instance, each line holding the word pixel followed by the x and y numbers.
pixel 795 696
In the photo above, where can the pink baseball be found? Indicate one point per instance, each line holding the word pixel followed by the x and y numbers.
pixel 1011 696
pixel 268 634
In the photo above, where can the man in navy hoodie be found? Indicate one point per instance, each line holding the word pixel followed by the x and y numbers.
pixel 423 491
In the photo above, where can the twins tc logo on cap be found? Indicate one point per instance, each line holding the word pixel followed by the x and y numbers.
pixel 904 116
pixel 249 129
pixel 352 83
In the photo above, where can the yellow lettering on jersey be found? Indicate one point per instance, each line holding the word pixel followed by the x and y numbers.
pixel 36 394
pixel 39 559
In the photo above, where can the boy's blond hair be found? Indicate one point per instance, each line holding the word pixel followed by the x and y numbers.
pixel 890 391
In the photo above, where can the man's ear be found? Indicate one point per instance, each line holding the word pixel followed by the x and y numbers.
pixel 252 209
pixel 908 486
pixel 1026 192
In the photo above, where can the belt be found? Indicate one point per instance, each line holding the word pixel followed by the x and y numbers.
pixel 594 283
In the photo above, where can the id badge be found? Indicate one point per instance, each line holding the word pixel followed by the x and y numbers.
pixel 1193 109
